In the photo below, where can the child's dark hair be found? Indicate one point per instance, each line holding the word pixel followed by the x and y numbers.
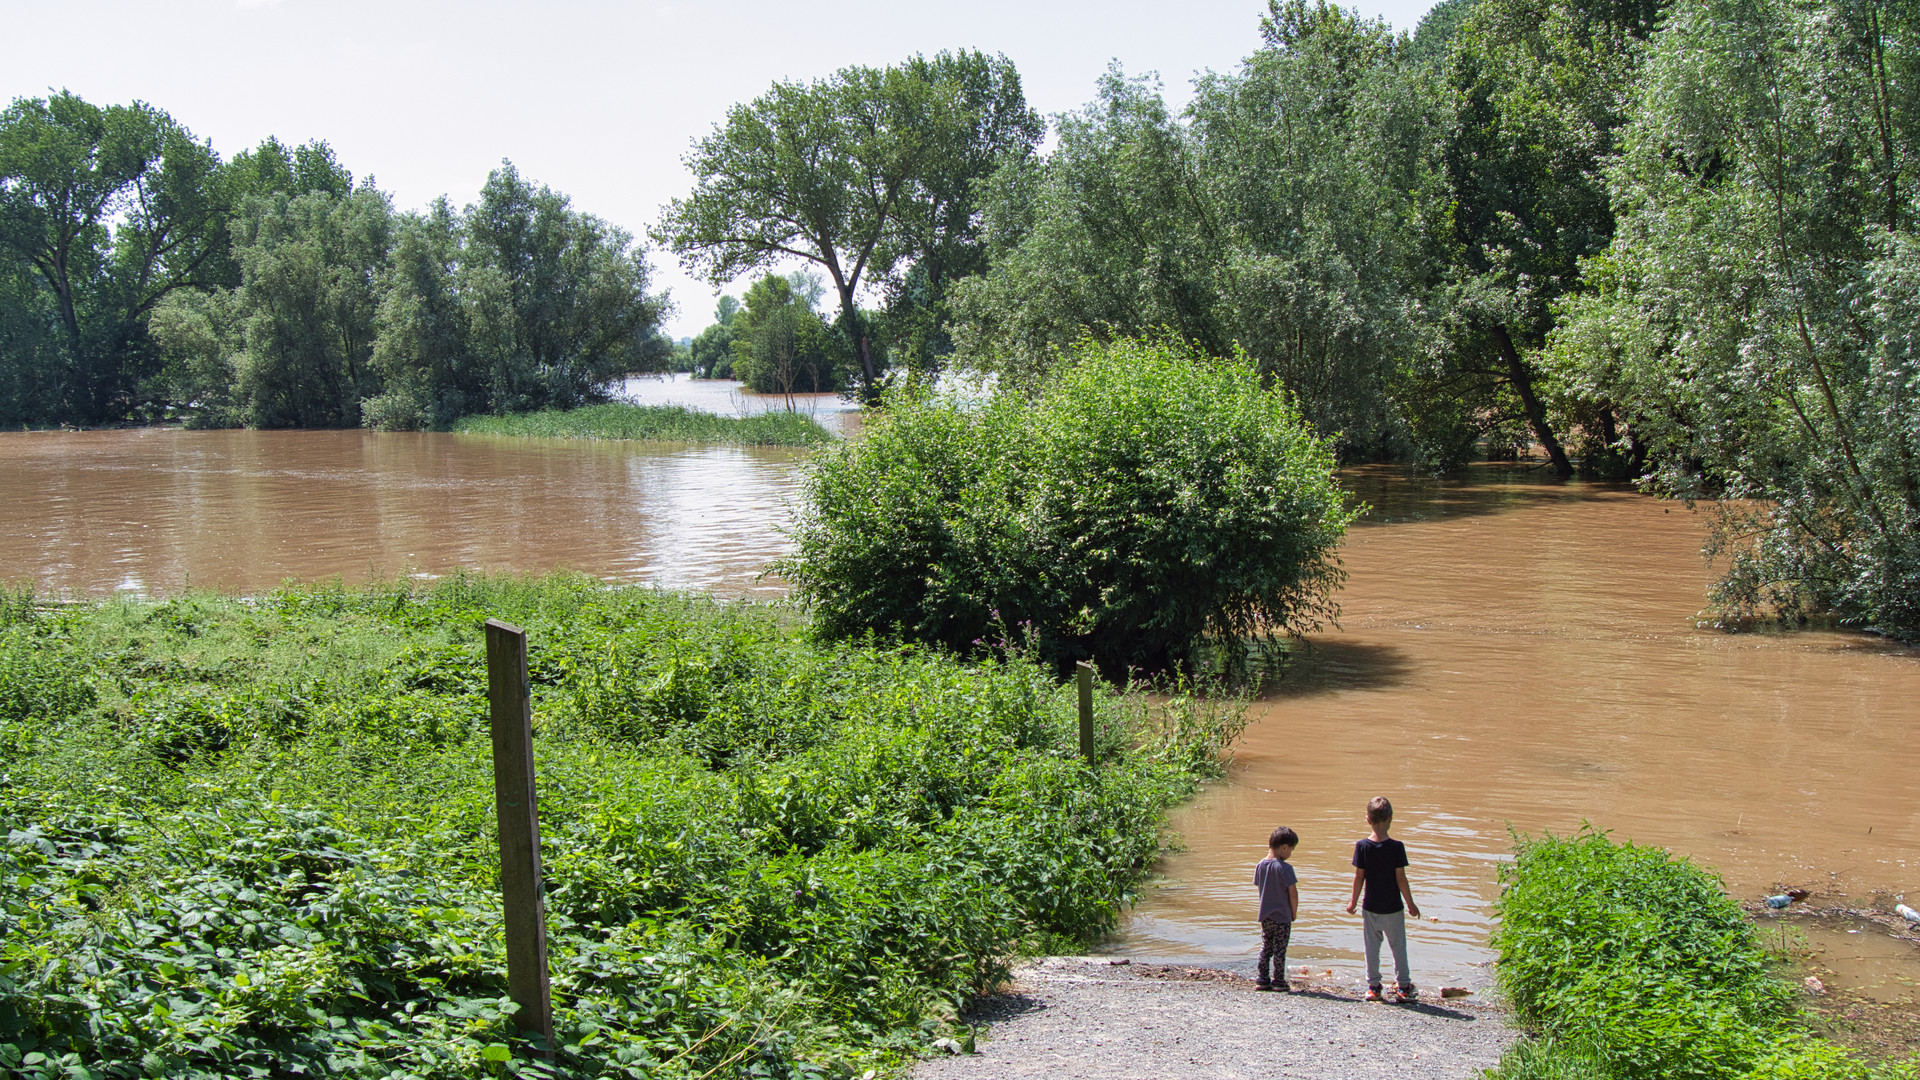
pixel 1283 837
pixel 1379 810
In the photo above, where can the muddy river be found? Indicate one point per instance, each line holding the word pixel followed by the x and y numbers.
pixel 1514 652
pixel 1520 653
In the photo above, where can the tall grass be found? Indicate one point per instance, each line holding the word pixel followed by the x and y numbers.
pixel 663 423
pixel 255 837
pixel 1629 964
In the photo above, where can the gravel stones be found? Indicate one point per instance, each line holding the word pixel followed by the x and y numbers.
pixel 1069 1018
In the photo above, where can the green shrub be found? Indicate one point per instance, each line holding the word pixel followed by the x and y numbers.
pixel 267 845
pixel 1145 500
pixel 1630 964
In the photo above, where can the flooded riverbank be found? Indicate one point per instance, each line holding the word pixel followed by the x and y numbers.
pixel 1517 651
pixel 1514 651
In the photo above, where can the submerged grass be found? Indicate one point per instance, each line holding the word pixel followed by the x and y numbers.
pixel 255 837
pixel 1628 964
pixel 662 423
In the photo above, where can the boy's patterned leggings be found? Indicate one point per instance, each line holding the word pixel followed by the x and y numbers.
pixel 1273 947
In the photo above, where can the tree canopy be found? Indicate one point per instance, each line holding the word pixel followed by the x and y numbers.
pixel 141 276
pixel 859 173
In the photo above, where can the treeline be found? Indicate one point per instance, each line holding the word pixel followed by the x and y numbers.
pixel 1672 242
pixel 143 277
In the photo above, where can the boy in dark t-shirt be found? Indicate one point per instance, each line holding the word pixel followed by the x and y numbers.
pixel 1380 865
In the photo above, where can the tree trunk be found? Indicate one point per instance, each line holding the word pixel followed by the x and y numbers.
pixel 851 313
pixel 1522 379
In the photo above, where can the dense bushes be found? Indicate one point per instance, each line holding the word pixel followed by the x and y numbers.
pixel 256 837
pixel 1630 964
pixel 1142 501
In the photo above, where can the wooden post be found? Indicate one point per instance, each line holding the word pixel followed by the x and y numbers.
pixel 1086 710
pixel 522 890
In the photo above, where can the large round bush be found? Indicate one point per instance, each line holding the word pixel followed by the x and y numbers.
pixel 1144 501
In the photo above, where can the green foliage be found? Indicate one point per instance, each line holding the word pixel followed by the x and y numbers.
pixel 112 209
pixel 856 173
pixel 1143 501
pixel 255 837
pixel 1630 964
pixel 780 344
pixel 142 277
pixel 712 348
pixel 1286 217
pixel 664 423
pixel 1755 314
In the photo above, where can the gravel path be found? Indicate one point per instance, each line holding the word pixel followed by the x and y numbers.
pixel 1075 1018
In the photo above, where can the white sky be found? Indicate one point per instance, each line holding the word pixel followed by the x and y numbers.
pixel 598 100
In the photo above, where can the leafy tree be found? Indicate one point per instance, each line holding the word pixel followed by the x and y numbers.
pixel 1145 502
pixel 114 208
pixel 303 316
pixel 1755 315
pixel 561 301
pixel 1287 217
pixel 938 237
pixel 852 173
pixel 32 360
pixel 712 349
pixel 780 344
pixel 1539 92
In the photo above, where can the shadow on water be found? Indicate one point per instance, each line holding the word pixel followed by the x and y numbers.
pixel 1330 665
pixel 1395 497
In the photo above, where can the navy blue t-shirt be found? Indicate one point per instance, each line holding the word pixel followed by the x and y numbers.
pixel 1380 858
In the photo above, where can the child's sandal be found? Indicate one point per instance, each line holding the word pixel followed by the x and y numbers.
pixel 1374 994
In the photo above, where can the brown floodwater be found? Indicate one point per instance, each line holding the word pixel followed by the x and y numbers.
pixel 153 511
pixel 1518 652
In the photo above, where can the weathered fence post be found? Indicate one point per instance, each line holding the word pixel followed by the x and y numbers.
pixel 522 891
pixel 1086 710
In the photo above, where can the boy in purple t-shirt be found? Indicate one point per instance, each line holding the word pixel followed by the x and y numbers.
pixel 1279 900
pixel 1380 864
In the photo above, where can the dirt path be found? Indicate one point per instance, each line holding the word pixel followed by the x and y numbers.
pixel 1068 1018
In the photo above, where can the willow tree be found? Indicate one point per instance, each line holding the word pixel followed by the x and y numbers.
pixel 1757 311
pixel 847 172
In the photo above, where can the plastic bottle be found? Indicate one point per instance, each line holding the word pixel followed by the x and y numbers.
pixel 1906 913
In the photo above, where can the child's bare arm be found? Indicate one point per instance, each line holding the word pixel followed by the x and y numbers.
pixel 1293 900
pixel 1359 879
pixel 1406 891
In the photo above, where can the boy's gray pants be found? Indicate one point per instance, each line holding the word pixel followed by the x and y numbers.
pixel 1391 925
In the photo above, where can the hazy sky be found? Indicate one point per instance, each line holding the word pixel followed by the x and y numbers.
pixel 597 100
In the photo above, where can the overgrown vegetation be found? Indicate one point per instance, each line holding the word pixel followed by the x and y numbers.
pixel 1143 502
pixel 666 423
pixel 255 837
pixel 1628 964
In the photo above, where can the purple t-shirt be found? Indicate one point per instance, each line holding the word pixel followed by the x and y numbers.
pixel 1272 877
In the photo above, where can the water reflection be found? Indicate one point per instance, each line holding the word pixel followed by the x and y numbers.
pixel 152 511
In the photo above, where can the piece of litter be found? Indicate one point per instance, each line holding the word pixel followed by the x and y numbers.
pixel 1454 991
pixel 1813 985
pixel 1122 962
